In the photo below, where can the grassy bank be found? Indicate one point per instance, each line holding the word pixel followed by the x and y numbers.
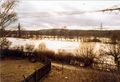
pixel 74 74
pixel 15 70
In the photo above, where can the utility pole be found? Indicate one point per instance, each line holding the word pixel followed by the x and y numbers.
pixel 101 26
pixel 19 30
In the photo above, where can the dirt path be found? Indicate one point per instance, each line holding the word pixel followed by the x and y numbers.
pixel 70 67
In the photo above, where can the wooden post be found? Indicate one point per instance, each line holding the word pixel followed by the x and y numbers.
pixel 24 77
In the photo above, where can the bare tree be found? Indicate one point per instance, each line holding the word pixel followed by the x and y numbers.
pixel 114 38
pixel 7 14
pixel 42 47
pixel 4 43
pixel 88 55
pixel 29 47
pixel 7 17
pixel 114 51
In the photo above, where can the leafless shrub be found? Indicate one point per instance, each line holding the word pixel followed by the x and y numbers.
pixel 4 43
pixel 42 47
pixel 87 54
pixel 29 47
pixel 114 51
pixel 20 48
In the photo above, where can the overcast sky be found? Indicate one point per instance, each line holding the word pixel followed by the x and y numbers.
pixel 36 14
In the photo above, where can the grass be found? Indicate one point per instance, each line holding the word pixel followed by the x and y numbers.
pixel 73 74
pixel 14 70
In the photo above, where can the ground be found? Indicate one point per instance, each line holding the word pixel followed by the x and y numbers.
pixel 77 74
pixel 14 70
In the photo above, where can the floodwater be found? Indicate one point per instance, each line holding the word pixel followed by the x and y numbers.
pixel 55 45
pixel 66 46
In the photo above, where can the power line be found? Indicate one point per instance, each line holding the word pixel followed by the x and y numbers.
pixel 113 8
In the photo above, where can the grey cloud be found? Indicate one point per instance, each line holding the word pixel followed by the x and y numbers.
pixel 71 16
pixel 63 20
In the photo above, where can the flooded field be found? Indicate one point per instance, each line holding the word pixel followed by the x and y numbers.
pixel 64 46
pixel 56 45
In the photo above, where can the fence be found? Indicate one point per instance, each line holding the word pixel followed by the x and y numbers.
pixel 105 67
pixel 68 59
pixel 38 74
